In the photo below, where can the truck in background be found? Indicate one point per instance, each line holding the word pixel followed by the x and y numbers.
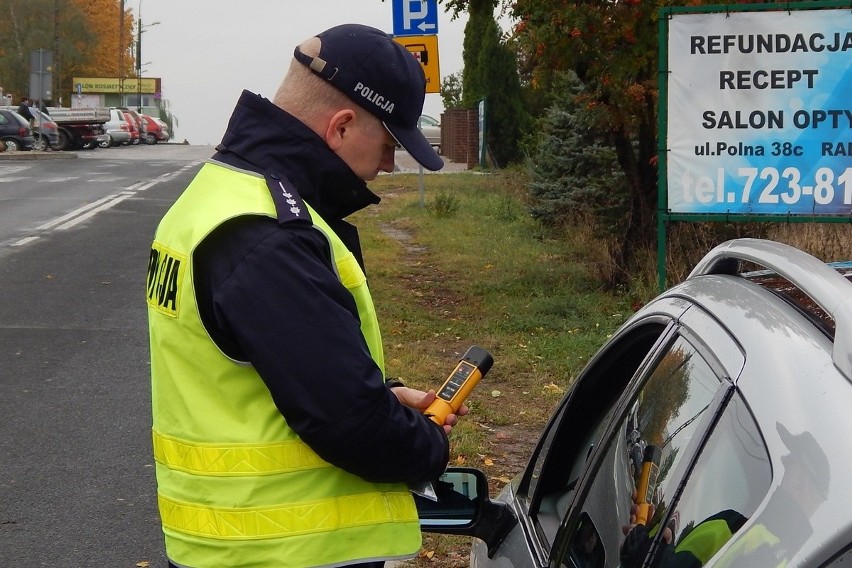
pixel 79 128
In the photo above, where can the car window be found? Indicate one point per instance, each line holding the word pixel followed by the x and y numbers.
pixel 658 429
pixel 3 119
pixel 730 479
pixel 20 119
pixel 562 454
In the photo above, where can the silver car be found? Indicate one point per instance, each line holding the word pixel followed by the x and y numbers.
pixel 713 429
pixel 431 130
pixel 117 130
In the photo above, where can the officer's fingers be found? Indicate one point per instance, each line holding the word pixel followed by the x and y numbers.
pixel 414 398
pixel 452 419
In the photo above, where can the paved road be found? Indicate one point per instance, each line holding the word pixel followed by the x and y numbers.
pixel 76 477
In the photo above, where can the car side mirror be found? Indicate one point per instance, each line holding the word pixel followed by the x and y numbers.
pixel 464 508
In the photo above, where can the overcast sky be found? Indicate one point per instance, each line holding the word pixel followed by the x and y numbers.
pixel 207 51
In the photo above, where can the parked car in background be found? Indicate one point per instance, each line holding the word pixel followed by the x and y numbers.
pixel 431 129
pixel 117 129
pixel 15 131
pixel 155 130
pixel 135 134
pixel 45 131
pixel 720 411
pixel 138 121
pixel 79 128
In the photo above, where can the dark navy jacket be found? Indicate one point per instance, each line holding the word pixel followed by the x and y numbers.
pixel 268 295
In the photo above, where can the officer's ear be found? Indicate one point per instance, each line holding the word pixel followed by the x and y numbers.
pixel 338 128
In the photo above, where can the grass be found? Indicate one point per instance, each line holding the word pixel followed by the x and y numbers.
pixel 471 267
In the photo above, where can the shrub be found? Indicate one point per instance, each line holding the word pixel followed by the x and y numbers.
pixel 575 170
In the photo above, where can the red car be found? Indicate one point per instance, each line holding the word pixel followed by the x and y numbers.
pixel 156 130
pixel 135 136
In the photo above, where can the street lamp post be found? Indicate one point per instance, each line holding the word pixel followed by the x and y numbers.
pixel 121 52
pixel 139 29
pixel 139 62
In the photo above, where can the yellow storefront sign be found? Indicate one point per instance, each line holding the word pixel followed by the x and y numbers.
pixel 425 50
pixel 99 85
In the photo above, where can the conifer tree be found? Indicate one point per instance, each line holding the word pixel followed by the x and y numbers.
pixel 490 73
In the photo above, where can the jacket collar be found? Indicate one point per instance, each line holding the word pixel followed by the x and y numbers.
pixel 263 138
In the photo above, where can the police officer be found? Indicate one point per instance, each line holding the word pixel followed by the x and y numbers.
pixel 277 439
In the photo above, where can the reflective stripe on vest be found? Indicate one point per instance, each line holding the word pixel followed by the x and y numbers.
pixel 235 459
pixel 277 522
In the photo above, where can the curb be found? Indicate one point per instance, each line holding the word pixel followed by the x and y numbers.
pixel 32 155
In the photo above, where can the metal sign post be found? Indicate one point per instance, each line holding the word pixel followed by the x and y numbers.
pixel 415 27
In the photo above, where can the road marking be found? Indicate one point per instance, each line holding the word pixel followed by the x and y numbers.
pixel 79 211
pixel 60 179
pixel 112 201
pixel 13 169
pixel 23 241
pixel 89 210
pixel 142 186
pixel 112 179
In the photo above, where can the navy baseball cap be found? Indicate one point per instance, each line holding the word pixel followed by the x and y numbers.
pixel 381 76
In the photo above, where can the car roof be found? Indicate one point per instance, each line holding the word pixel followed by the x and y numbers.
pixel 822 291
pixel 34 110
pixel 14 113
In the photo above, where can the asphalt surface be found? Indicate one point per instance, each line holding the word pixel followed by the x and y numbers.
pixel 76 473
pixel 77 484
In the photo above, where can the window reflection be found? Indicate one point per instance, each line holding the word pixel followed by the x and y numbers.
pixel 660 424
pixel 587 551
pixel 730 479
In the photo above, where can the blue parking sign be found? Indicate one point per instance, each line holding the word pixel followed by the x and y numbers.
pixel 415 17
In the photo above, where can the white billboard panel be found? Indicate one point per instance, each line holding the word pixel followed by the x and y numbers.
pixel 760 113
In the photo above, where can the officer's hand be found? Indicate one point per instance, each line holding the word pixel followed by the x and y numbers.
pixel 668 536
pixel 420 400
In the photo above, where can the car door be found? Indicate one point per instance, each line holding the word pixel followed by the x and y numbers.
pixel 541 495
pixel 662 425
pixel 658 383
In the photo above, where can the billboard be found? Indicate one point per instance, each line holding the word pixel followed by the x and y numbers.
pixel 146 85
pixel 759 112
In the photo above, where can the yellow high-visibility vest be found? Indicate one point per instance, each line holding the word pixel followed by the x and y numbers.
pixel 236 486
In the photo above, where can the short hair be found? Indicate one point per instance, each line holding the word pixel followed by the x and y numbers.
pixel 304 94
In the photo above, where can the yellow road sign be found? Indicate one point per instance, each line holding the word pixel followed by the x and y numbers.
pixel 425 50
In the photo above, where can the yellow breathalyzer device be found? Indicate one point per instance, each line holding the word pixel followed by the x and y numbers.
pixel 472 367
pixel 647 483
